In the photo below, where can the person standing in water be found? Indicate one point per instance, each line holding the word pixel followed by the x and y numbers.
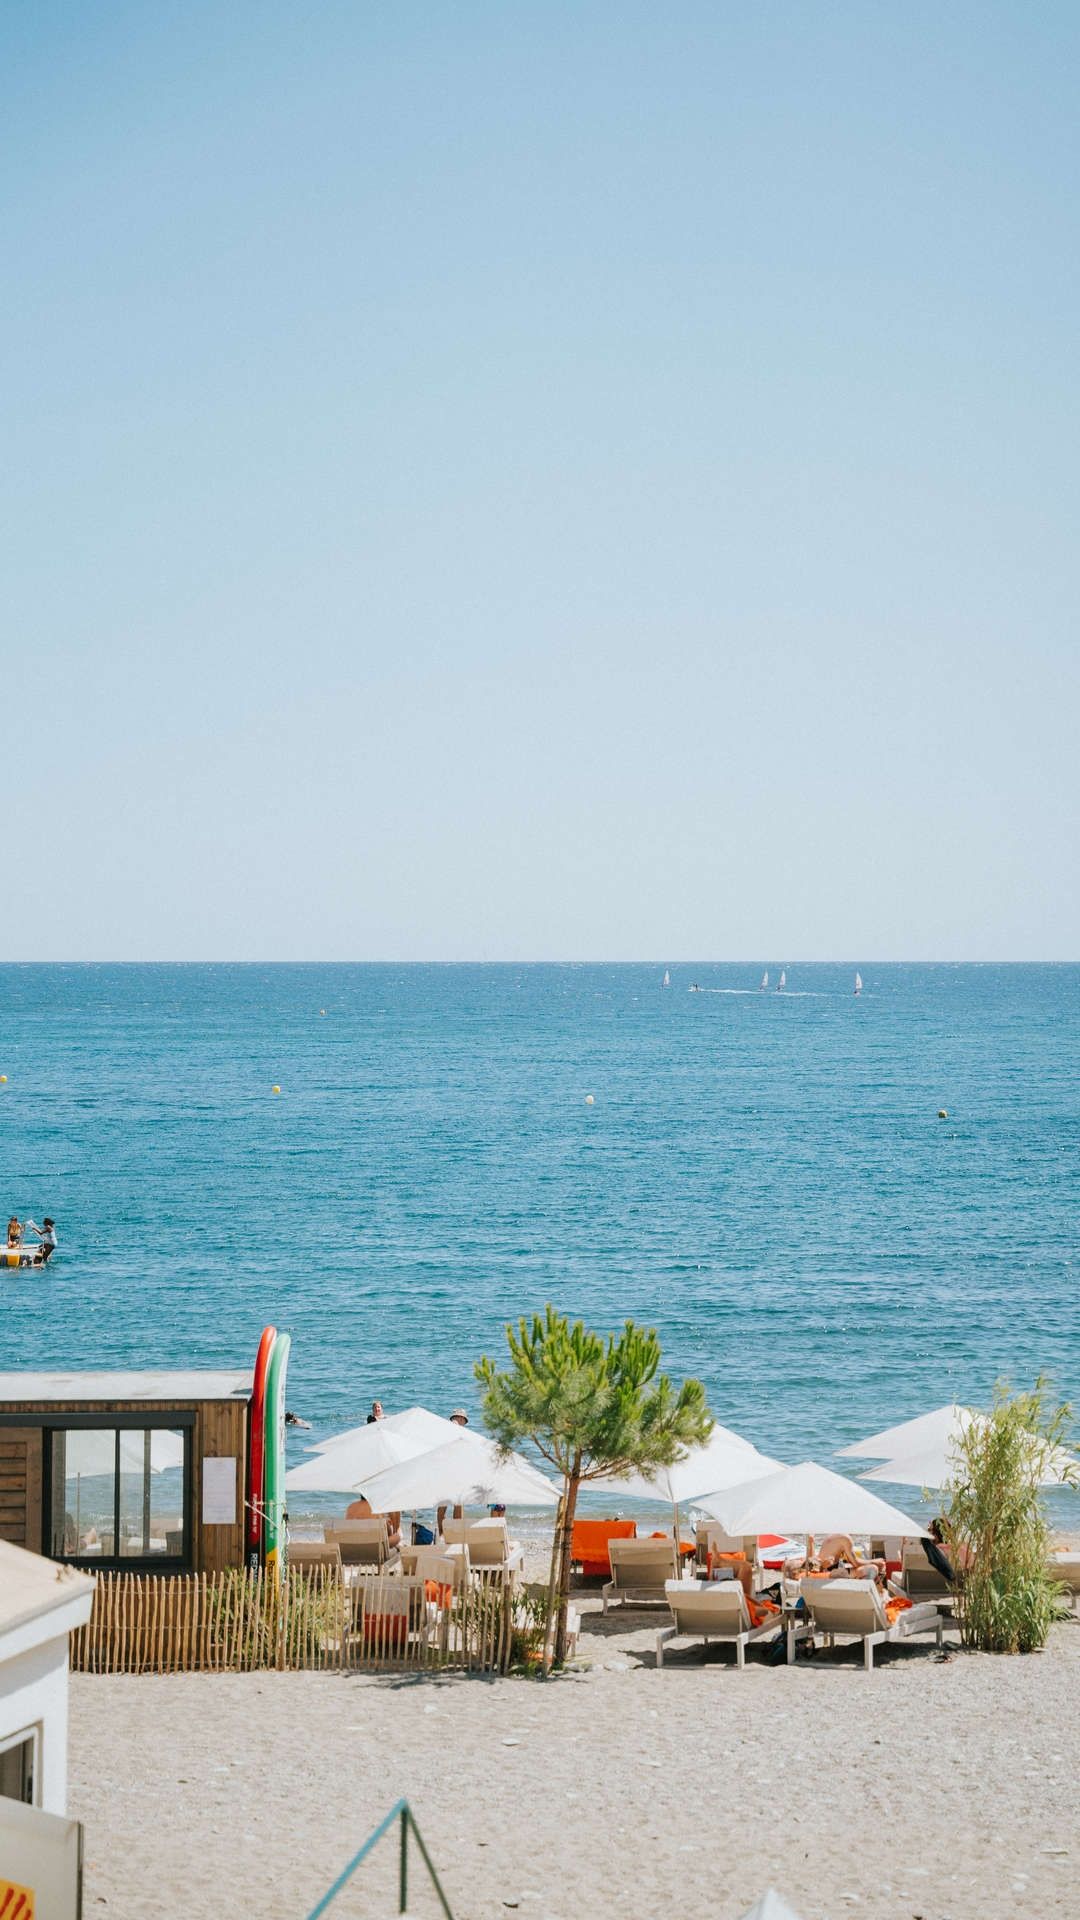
pixel 47 1235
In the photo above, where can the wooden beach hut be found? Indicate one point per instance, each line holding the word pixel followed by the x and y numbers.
pixel 129 1472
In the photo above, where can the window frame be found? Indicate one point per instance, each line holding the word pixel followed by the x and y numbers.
pixel 161 1419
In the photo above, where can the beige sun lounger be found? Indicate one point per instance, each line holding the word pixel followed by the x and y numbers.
pixel 711 1537
pixel 314 1553
pixel 490 1548
pixel 921 1581
pixel 711 1610
pixel 1065 1567
pixel 855 1608
pixel 640 1571
pixel 364 1543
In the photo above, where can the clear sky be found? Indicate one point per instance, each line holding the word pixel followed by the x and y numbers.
pixel 533 481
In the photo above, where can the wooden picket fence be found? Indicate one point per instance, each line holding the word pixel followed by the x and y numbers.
pixel 239 1622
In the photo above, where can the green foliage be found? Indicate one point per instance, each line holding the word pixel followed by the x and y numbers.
pixel 997 1530
pixel 591 1407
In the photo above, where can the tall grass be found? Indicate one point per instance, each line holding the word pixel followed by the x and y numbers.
pixel 996 1525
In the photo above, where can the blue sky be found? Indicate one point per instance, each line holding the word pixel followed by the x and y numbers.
pixel 540 481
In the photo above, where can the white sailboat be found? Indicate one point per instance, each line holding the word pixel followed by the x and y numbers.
pixel 858 983
pixel 667 978
pixel 764 981
pixel 781 983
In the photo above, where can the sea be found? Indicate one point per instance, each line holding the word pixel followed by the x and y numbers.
pixel 837 1210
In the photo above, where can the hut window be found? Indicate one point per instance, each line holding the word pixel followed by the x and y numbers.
pixel 119 1494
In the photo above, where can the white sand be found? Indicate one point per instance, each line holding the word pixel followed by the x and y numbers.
pixel 947 1791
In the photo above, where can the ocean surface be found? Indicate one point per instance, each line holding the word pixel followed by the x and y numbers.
pixel 764 1177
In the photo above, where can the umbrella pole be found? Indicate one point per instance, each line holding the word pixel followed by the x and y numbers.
pixel 678 1542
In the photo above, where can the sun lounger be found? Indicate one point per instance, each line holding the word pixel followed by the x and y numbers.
pixel 589 1543
pixel 640 1570
pixel 1065 1567
pixel 708 1610
pixel 490 1550
pixel 313 1553
pixel 364 1544
pixel 856 1608
pixel 389 1611
pixel 919 1579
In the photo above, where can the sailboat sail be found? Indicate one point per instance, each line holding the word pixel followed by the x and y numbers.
pixel 764 982
pixel 858 983
pixel 781 983
pixel 667 978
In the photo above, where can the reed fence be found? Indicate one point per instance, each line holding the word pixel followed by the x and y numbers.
pixel 239 1622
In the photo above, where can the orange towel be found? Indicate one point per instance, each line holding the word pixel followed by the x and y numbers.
pixel 895 1607
pixel 759 1611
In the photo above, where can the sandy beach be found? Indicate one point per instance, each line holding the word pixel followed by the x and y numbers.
pixel 925 1791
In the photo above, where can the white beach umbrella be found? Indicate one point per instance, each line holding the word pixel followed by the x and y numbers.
pixel 347 1465
pixel 935 1466
pixel 770 1907
pixel 723 1460
pixel 808 1499
pixel 414 1425
pixel 467 1471
pixel 934 1429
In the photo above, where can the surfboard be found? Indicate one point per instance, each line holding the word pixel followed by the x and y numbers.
pixel 274 1459
pixel 253 1503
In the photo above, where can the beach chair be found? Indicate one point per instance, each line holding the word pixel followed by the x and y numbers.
pixel 490 1548
pixel 314 1553
pixel 364 1544
pixel 640 1570
pixel 589 1542
pixel 707 1610
pixel 711 1538
pixel 856 1608
pixel 446 1569
pixel 921 1581
pixel 391 1615
pixel 1065 1568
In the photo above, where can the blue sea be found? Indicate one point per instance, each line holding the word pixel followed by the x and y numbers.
pixel 764 1177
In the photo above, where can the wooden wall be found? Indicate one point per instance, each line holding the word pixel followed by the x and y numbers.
pixel 20 1486
pixel 220 1431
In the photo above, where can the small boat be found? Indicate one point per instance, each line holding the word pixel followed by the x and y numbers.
pixel 781 983
pixel 667 978
pixel 858 983
pixel 764 981
pixel 22 1256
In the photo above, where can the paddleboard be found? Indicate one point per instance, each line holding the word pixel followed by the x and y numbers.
pixel 274 1459
pixel 253 1503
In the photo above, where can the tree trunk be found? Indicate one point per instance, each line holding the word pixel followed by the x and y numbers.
pixel 569 1506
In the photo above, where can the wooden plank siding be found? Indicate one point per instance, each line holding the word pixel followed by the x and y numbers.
pixel 20 1486
pixel 220 1430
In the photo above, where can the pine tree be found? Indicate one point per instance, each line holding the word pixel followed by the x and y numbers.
pixel 591 1407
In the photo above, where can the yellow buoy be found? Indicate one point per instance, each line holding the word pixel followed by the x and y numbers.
pixel 942 1113
pixel 3 1079
pixel 275 1089
pixel 589 1100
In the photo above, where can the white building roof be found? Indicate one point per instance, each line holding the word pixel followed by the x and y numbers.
pixel 192 1385
pixel 31 1588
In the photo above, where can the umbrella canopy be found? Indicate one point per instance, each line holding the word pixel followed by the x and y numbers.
pixel 724 1460
pixel 467 1471
pixel 911 1436
pixel 418 1428
pixel 347 1465
pixel 934 1466
pixel 770 1907
pixel 808 1499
